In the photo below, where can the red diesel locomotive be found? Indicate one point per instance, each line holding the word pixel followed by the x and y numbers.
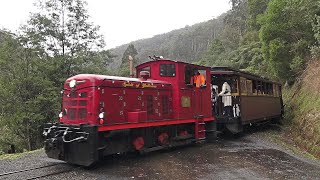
pixel 103 115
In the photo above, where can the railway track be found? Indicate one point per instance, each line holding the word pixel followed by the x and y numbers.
pixel 7 175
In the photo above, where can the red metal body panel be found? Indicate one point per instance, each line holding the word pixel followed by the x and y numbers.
pixel 149 124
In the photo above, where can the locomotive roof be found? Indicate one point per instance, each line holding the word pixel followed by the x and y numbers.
pixel 173 61
pixel 116 78
pixel 229 70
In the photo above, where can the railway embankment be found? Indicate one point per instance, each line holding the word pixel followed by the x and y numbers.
pixel 302 111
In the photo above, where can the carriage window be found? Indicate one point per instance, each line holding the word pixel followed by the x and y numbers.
pixel 276 90
pixel 168 70
pixel 234 85
pixel 243 86
pixel 270 89
pixel 255 88
pixel 249 87
pixel 259 85
pixel 147 68
pixel 264 88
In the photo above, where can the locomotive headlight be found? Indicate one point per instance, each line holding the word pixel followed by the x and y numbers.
pixel 60 115
pixel 72 83
pixel 101 115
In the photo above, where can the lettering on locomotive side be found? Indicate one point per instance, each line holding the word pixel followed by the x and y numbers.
pixel 143 85
pixel 148 85
pixel 127 84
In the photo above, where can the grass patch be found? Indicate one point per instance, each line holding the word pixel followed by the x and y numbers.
pixel 18 155
pixel 285 141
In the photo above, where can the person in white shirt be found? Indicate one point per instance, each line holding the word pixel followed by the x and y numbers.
pixel 226 99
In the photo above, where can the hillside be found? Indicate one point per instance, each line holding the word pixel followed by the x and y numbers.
pixel 302 110
pixel 187 43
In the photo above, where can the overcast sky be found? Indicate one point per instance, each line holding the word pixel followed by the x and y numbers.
pixel 123 21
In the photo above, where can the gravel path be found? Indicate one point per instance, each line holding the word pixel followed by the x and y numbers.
pixel 251 156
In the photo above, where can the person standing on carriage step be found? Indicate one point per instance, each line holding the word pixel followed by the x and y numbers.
pixel 226 99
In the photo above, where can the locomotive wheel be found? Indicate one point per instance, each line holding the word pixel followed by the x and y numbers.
pixel 163 138
pixel 183 133
pixel 138 143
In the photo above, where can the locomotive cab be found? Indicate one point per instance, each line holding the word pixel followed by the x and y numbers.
pixel 188 100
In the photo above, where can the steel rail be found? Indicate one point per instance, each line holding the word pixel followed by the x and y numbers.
pixel 53 173
pixel 30 169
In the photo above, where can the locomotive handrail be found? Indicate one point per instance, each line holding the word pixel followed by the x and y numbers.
pixel 45 133
pixel 64 131
pixel 75 139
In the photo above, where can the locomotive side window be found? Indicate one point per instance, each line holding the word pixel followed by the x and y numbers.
pixel 188 74
pixel 168 70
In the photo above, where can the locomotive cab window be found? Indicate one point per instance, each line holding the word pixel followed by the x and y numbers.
pixel 191 72
pixel 168 70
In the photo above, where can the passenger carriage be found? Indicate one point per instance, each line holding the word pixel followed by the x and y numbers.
pixel 254 99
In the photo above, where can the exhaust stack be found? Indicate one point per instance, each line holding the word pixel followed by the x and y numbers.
pixel 131 66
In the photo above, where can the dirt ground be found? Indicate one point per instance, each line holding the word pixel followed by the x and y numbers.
pixel 254 155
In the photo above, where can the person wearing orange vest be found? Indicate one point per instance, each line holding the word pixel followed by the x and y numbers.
pixel 197 79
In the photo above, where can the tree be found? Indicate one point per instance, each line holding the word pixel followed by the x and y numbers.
pixel 28 97
pixel 315 50
pixel 61 29
pixel 255 9
pixel 286 35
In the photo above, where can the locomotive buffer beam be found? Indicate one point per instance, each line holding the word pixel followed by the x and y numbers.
pixel 73 144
